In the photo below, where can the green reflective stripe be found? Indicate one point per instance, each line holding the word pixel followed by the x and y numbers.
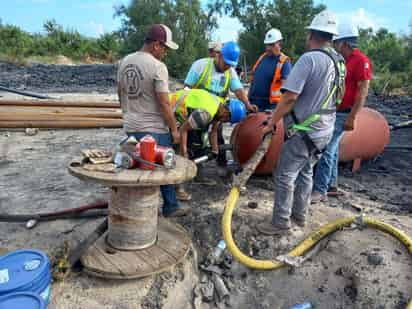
pixel 340 72
pixel 209 75
pixel 342 69
pixel 326 103
pixel 299 127
pixel 305 126
pixel 205 80
pixel 204 74
pixel 196 99
pixel 227 81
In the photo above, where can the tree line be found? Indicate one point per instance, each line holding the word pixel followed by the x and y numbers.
pixel 193 22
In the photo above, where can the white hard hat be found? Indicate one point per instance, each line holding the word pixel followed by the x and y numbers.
pixel 325 21
pixel 346 31
pixel 272 36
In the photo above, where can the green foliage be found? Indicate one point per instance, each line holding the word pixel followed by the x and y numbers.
pixel 14 42
pixel 190 24
pixel 258 16
pixel 391 56
pixel 18 44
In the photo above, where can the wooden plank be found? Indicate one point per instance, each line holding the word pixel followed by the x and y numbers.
pixel 56 117
pixel 13 113
pixel 66 123
pixel 56 109
pixel 62 103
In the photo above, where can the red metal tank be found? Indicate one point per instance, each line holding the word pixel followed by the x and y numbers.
pixel 246 137
pixel 369 139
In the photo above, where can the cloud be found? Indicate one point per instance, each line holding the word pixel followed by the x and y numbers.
pixel 363 19
pixel 228 29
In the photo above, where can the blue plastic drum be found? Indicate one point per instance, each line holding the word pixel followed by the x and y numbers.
pixel 25 271
pixel 22 300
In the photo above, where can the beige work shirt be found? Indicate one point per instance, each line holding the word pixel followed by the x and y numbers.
pixel 140 76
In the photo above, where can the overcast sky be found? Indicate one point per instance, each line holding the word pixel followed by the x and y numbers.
pixel 94 17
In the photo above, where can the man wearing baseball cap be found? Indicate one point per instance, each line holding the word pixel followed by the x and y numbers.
pixel 143 89
pixel 214 47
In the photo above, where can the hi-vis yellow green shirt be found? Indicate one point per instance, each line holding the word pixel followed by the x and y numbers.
pixel 196 105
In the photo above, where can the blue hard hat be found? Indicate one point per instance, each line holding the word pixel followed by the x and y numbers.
pixel 237 110
pixel 230 52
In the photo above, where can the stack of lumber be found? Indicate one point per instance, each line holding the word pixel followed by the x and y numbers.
pixel 59 114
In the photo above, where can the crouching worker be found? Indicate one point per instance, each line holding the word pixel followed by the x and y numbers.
pixel 197 109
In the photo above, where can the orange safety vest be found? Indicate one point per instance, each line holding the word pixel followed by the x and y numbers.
pixel 275 93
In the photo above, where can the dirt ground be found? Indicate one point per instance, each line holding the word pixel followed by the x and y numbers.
pixel 356 269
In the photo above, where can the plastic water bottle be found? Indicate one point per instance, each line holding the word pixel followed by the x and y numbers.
pixel 306 305
pixel 217 253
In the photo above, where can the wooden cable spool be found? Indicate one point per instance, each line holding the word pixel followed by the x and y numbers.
pixel 137 243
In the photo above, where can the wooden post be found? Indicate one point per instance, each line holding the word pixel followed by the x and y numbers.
pixel 133 217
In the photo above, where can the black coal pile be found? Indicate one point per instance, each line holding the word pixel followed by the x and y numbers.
pixel 44 78
pixel 395 108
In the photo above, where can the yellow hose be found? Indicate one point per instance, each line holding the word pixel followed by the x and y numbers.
pixel 306 244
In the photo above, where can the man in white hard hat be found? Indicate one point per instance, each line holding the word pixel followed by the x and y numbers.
pixel 213 48
pixel 269 73
pixel 308 106
pixel 359 73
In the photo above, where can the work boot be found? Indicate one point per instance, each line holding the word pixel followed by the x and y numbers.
pixel 299 221
pixel 267 228
pixel 182 211
pixel 182 194
pixel 335 192
pixel 318 197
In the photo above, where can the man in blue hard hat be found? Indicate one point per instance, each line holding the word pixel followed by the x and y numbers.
pixel 218 76
pixel 197 109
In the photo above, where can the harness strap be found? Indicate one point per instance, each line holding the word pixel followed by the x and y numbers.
pixel 205 80
pixel 312 149
pixel 305 125
pixel 202 78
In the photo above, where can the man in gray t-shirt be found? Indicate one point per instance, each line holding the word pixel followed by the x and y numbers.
pixel 310 84
pixel 144 98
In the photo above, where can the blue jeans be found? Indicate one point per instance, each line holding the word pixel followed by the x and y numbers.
pixel 326 174
pixel 170 203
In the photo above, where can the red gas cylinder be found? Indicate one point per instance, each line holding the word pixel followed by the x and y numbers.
pixel 148 152
pixel 246 137
pixel 368 139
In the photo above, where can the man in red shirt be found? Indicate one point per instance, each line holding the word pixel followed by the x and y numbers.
pixel 358 75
